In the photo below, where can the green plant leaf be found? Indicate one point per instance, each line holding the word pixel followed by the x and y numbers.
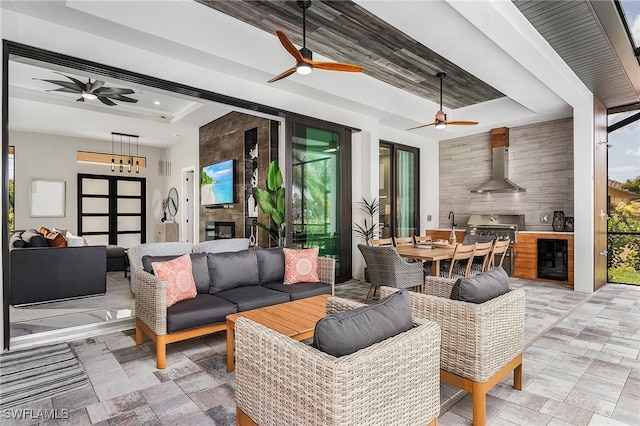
pixel 265 201
pixel 274 177
pixel 280 200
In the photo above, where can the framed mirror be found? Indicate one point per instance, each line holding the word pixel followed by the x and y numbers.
pixel 172 202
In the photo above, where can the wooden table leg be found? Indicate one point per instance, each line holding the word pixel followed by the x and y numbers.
pixel 435 268
pixel 230 346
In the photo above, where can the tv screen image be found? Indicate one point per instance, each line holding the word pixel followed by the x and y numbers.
pixel 216 183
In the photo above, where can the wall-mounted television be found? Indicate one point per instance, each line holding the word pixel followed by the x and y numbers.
pixel 216 183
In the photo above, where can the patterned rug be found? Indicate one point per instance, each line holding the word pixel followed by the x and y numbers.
pixel 38 373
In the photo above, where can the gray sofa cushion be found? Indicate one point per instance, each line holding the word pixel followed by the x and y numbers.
pixel 232 269
pixel 253 297
pixel 34 239
pixel 347 332
pixel 199 267
pixel 270 264
pixel 481 288
pixel 17 242
pixel 202 310
pixel 300 290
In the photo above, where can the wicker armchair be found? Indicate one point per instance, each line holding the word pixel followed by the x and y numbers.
pixel 386 267
pixel 280 381
pixel 481 343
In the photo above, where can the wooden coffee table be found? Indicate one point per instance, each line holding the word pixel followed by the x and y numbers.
pixel 295 319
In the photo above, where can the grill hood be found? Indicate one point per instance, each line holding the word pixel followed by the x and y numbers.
pixel 500 157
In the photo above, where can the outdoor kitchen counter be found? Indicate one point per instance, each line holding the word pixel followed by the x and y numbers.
pixel 526 254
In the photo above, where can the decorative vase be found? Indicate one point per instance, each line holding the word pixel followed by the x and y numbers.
pixel 558 221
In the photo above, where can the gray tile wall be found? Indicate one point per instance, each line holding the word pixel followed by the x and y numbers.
pixel 540 160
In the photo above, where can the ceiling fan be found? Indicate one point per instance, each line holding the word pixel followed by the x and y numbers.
pixel 304 57
pixel 441 118
pixel 91 90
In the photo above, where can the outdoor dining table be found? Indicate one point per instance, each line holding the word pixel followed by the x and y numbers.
pixel 433 255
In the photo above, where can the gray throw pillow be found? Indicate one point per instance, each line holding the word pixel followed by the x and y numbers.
pixel 346 332
pixel 482 287
pixel 232 269
pixel 270 264
pixel 17 242
pixel 199 268
pixel 33 238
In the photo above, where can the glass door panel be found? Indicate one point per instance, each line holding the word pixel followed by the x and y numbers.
pixel 406 211
pixel 385 194
pixel 317 215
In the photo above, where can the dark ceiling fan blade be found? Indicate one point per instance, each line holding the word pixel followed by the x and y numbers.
pixel 121 98
pixel 64 89
pixel 107 91
pixel 285 74
pixel 80 99
pixel 67 84
pixel 106 101
pixel 81 85
pixel 424 125
pixel 289 46
pixel 96 85
pixel 461 123
pixel 336 66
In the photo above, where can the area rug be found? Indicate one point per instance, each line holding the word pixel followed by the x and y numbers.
pixel 34 374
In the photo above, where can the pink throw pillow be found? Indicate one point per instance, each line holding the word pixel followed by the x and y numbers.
pixel 178 275
pixel 300 266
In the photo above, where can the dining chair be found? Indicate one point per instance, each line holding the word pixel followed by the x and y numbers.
pixel 386 267
pixel 422 239
pixel 500 247
pixel 482 257
pixel 461 252
pixel 398 241
pixel 382 242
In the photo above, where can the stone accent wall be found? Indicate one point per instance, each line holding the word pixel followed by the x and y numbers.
pixel 221 140
pixel 540 160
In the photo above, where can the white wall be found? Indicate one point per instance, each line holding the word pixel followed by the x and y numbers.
pixel 40 156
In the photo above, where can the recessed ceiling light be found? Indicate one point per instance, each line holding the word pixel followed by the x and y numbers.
pixel 157 102
pixel 177 135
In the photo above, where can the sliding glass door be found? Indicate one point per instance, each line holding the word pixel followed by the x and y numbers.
pixel 318 214
pixel 399 190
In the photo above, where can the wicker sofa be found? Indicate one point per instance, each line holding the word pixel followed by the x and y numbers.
pixel 481 343
pixel 227 283
pixel 280 381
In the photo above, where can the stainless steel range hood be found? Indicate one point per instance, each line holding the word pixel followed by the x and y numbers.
pixel 500 150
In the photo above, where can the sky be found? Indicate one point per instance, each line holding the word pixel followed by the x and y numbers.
pixel 624 155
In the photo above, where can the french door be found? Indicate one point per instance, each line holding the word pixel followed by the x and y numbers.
pixel 112 210
pixel 399 191
pixel 318 173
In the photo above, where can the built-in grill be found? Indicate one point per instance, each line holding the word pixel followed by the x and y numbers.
pixel 488 227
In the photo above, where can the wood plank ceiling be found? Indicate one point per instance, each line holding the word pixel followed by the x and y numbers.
pixel 345 32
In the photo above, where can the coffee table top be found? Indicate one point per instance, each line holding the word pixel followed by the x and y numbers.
pixel 290 318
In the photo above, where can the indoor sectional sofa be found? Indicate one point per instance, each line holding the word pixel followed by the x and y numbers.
pixel 226 283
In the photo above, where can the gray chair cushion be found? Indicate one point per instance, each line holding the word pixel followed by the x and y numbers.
pixel 482 287
pixel 347 332
pixel 253 297
pixel 199 268
pixel 300 290
pixel 202 310
pixel 270 264
pixel 232 269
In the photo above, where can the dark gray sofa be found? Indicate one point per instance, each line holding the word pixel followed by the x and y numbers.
pixel 42 274
pixel 227 283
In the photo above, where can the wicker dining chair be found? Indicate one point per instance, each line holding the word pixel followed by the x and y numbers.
pixel 386 267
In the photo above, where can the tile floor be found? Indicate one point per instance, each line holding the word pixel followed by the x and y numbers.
pixel 581 367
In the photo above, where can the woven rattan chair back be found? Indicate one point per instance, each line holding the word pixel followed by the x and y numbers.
pixel 402 241
pixel 422 239
pixel 499 248
pixel 383 242
pixel 462 252
pixel 386 267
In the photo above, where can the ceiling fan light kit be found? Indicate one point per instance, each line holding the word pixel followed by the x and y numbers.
pixel 304 57
pixel 441 121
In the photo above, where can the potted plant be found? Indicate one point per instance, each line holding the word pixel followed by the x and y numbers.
pixel 369 231
pixel 272 202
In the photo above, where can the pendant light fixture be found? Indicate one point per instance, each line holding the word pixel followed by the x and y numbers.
pixel 113 159
pixel 129 159
pixel 137 157
pixel 121 166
